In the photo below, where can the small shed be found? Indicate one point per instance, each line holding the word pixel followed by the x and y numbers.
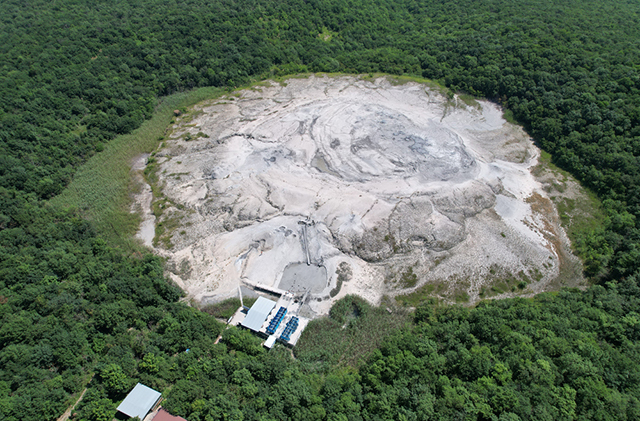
pixel 163 415
pixel 258 313
pixel 271 340
pixel 139 401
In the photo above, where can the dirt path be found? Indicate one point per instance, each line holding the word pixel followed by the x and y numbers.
pixel 67 413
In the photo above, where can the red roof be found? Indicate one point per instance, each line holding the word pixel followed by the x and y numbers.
pixel 163 415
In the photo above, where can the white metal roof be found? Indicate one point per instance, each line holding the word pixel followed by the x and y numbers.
pixel 258 313
pixel 271 340
pixel 139 401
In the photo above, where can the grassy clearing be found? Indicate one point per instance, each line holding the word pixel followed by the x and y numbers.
pixel 508 115
pixel 507 282
pixel 469 100
pixel 227 308
pixel 422 294
pixel 350 333
pixel 580 214
pixel 456 290
pixel 498 282
pixel 402 279
pixel 404 79
pixel 101 188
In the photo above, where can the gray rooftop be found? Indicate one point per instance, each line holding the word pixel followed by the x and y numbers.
pixel 258 314
pixel 139 401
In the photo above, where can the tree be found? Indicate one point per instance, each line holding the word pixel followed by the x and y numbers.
pixel 115 381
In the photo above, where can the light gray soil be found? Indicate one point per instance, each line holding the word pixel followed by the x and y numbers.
pixel 147 229
pixel 384 177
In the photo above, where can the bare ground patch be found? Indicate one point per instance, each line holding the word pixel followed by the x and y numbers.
pixel 417 192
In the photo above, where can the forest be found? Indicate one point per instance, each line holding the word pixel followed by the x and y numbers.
pixel 79 310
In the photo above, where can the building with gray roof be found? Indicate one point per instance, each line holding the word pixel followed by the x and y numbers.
pixel 139 401
pixel 258 313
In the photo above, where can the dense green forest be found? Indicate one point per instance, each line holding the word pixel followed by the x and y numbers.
pixel 76 310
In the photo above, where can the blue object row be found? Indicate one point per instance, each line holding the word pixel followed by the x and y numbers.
pixel 275 322
pixel 291 327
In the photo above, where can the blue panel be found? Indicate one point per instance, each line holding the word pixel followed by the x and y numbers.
pixel 291 327
pixel 275 322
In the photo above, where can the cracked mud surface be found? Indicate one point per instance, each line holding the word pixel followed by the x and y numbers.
pixel 384 177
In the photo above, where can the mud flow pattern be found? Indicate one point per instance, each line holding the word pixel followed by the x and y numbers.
pixel 282 184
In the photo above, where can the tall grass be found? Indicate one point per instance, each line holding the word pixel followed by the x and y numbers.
pixel 351 332
pixel 101 189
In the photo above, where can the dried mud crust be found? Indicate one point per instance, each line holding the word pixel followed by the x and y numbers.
pixel 406 186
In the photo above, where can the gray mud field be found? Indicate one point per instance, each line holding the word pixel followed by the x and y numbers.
pixel 405 185
pixel 300 278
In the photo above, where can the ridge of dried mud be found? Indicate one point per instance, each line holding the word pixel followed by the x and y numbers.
pixel 289 185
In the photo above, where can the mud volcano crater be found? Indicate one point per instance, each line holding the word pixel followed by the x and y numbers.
pixel 342 185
